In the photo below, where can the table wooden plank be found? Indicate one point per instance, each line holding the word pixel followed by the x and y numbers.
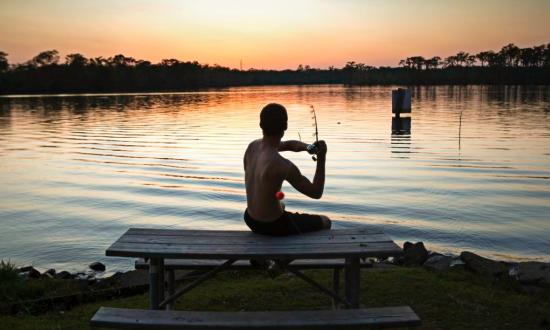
pixel 401 316
pixel 239 233
pixel 309 251
pixel 259 247
pixel 253 239
pixel 195 264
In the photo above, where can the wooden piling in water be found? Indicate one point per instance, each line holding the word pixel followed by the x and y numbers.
pixel 401 101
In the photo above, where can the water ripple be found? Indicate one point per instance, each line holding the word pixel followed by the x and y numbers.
pixel 85 168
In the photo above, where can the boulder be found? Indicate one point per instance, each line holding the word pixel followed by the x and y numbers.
pixel 50 271
pixel 29 272
pixel 82 276
pixel 483 265
pixel 414 254
pixel 438 262
pixel 46 275
pixel 97 266
pixel 533 272
pixel 64 275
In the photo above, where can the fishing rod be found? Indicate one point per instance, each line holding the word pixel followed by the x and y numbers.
pixel 312 148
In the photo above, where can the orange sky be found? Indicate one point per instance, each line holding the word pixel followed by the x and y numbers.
pixel 270 34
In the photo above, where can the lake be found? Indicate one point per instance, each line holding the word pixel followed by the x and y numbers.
pixel 76 171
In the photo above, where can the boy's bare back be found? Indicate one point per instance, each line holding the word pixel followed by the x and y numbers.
pixel 265 171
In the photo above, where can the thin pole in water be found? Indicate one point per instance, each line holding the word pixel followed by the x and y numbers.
pixel 459 130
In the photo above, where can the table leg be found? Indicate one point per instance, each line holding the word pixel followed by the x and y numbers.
pixel 171 287
pixel 161 280
pixel 335 286
pixel 154 295
pixel 352 276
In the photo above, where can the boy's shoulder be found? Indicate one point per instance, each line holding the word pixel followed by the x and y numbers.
pixel 254 143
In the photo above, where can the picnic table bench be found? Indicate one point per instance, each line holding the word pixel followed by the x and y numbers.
pixel 217 250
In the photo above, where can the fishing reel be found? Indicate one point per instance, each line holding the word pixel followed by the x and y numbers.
pixel 312 149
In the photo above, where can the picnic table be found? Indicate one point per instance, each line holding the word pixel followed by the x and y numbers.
pixel 348 245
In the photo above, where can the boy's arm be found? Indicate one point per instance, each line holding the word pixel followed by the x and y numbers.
pixel 302 184
pixel 292 145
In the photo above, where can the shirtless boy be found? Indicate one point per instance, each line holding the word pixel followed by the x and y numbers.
pixel 265 170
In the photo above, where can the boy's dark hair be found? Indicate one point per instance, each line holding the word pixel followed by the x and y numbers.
pixel 273 119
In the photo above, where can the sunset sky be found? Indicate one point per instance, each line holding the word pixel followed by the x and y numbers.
pixel 270 34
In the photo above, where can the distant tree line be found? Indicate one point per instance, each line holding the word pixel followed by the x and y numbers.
pixel 509 56
pixel 45 73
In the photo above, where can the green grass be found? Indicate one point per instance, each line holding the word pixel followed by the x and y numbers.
pixel 452 300
pixel 13 288
pixel 8 271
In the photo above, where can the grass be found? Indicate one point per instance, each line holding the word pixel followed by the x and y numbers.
pixel 451 300
pixel 13 288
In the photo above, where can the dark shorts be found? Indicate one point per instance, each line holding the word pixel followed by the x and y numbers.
pixel 287 224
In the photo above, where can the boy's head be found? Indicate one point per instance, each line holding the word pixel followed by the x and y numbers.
pixel 273 119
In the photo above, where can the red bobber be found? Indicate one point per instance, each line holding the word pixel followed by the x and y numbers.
pixel 279 195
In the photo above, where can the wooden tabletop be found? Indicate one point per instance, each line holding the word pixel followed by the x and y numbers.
pixel 229 244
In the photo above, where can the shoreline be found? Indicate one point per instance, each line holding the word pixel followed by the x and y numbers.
pixel 415 254
pixel 79 269
pixel 94 283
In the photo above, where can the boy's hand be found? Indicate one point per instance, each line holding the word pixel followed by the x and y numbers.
pixel 312 149
pixel 317 148
pixel 321 148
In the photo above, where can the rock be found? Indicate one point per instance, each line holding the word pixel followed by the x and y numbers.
pixel 457 262
pixel 533 272
pixel 482 265
pixel 414 254
pixel 513 271
pixel 438 262
pixel 29 272
pixel 46 275
pixel 97 266
pixel 82 276
pixel 50 271
pixel 64 275
pixel 33 273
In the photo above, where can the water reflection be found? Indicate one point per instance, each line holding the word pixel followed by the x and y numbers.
pixel 401 125
pixel 5 115
pixel 401 136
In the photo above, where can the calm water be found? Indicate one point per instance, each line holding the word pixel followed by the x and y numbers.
pixel 77 171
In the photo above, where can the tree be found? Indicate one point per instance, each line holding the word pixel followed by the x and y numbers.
pixel 470 60
pixel 451 61
pixel 418 62
pixel 433 62
pixel 510 54
pixel 4 65
pixel 527 57
pixel 76 60
pixel 142 63
pixel 496 59
pixel 169 62
pixel 121 60
pixel 48 57
pixel 483 57
pixel 98 61
pixel 546 56
pixel 538 54
pixel 415 62
pixel 462 58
